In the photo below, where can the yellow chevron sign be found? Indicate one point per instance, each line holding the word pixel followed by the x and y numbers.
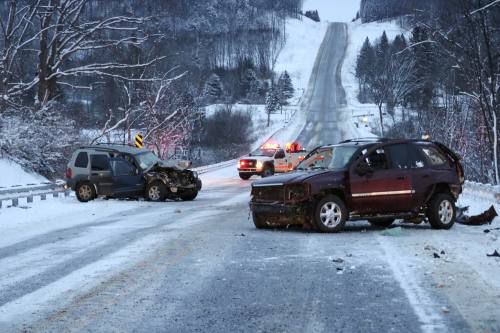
pixel 139 141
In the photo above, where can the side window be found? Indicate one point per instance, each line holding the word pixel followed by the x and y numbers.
pixel 434 156
pixel 122 168
pixel 377 159
pixel 100 162
pixel 400 158
pixel 82 160
pixel 280 154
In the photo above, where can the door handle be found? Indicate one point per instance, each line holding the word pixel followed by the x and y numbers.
pixel 401 178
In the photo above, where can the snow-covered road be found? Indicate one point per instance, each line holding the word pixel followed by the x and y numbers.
pixel 122 266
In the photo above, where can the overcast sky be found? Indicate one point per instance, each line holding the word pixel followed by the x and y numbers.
pixel 334 10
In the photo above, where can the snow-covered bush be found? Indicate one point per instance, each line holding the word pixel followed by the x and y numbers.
pixel 38 139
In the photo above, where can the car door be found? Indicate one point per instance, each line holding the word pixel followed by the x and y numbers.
pixel 382 190
pixel 432 167
pixel 127 179
pixel 280 161
pixel 100 173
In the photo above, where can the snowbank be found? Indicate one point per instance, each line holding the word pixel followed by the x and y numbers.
pixel 334 10
pixel 12 174
pixel 357 35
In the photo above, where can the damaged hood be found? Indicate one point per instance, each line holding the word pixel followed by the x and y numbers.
pixel 294 177
pixel 172 164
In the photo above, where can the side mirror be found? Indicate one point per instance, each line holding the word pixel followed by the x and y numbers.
pixel 363 169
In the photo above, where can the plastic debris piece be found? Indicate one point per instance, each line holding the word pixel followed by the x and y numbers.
pixel 442 252
pixel 445 309
pixel 436 255
pixel 394 232
pixel 338 260
pixel 481 219
pixel 494 254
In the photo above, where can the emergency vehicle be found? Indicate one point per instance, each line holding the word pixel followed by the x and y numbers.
pixel 270 159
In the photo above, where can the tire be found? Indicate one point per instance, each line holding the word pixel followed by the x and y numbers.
pixel 267 172
pixel 381 222
pixel 330 215
pixel 245 176
pixel 442 211
pixel 156 191
pixel 189 196
pixel 85 192
pixel 260 221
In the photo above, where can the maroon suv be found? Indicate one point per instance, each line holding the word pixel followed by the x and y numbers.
pixel 379 180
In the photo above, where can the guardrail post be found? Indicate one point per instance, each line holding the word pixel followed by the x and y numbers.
pixel 55 194
pixel 0 204
pixel 66 194
pixel 43 197
pixel 15 202
pixel 29 199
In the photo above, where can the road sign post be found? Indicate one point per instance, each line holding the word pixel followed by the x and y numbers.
pixel 139 141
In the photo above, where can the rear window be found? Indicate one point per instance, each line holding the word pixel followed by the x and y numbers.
pixel 100 163
pixel 434 156
pixel 82 160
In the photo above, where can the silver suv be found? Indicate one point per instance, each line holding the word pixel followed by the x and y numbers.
pixel 128 172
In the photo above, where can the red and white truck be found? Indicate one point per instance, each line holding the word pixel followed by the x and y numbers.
pixel 270 159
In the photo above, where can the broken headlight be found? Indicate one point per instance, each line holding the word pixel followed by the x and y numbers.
pixel 297 192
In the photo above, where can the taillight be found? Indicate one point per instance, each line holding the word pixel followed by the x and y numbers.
pixel 69 173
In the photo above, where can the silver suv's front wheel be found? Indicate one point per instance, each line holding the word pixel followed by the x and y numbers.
pixel 156 191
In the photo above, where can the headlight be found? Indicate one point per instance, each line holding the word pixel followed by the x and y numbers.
pixel 297 192
pixel 195 174
pixel 260 164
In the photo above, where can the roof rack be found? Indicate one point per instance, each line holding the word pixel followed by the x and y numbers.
pixel 369 139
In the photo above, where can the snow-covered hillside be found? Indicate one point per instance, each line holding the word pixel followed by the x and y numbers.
pixel 358 32
pixel 334 10
pixel 12 174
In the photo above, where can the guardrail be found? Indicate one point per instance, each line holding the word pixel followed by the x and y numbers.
pixel 204 169
pixel 485 191
pixel 15 193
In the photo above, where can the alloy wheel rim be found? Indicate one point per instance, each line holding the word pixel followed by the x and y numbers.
pixel 85 192
pixel 330 214
pixel 445 212
pixel 154 193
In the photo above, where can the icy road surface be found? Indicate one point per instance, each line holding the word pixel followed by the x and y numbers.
pixel 122 266
pixel 128 266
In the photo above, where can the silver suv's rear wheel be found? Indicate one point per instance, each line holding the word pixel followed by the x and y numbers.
pixel 85 192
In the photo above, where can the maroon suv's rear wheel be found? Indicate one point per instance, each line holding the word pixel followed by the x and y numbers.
pixel 442 211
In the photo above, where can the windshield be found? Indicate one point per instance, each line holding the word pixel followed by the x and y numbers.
pixel 146 160
pixel 328 158
pixel 264 152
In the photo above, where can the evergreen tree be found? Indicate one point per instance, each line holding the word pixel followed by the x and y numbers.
pixel 285 88
pixel 272 103
pixel 250 85
pixel 213 88
pixel 424 69
pixel 364 68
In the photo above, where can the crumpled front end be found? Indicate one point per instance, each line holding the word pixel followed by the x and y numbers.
pixel 282 204
pixel 176 180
